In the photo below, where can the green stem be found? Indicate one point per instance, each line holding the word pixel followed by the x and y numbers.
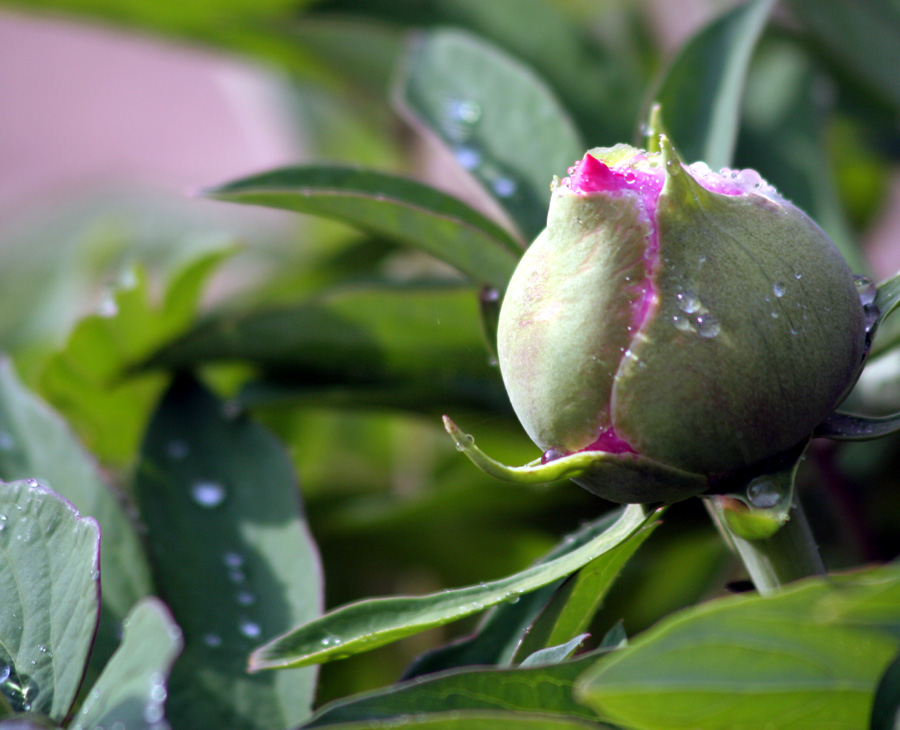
pixel 787 555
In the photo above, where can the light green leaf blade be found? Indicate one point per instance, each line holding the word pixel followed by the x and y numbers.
pixel 36 443
pixel 573 606
pixel 404 210
pixel 372 623
pixel 701 92
pixel 50 588
pixel 84 380
pixel 547 690
pixel 500 120
pixel 233 557
pixel 476 720
pixel 808 657
pixel 131 690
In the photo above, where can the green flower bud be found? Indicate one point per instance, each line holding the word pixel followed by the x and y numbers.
pixel 688 326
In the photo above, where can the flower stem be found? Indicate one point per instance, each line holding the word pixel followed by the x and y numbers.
pixel 787 555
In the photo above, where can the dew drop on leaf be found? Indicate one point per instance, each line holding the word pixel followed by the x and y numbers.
pixel 208 494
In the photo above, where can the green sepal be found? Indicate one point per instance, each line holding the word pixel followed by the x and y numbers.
pixel 626 478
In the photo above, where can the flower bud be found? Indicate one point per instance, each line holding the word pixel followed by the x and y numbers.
pixel 687 325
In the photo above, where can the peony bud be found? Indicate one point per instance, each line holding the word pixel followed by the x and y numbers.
pixel 681 326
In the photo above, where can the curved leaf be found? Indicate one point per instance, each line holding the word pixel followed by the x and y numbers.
pixel 402 209
pixel 369 624
pixel 849 427
pixel 36 443
pixel 476 720
pixel 131 690
pixel 702 90
pixel 50 588
pixel 547 690
pixel 498 118
pixel 807 658
pixel 233 556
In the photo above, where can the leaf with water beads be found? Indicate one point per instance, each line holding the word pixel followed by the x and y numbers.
pixel 50 588
pixel 131 690
pixel 368 624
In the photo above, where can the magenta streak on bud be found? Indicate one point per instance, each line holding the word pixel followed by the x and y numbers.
pixel 591 176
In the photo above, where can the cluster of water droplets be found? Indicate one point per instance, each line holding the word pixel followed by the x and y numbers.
pixel 734 182
pixel 694 316
pixel 19 689
pixel 459 119
pixel 867 291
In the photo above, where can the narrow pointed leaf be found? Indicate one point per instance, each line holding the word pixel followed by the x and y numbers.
pixel 401 209
pixel 702 91
pixel 50 588
pixel 36 443
pixel 849 427
pixel 369 624
pixel 131 690
pixel 806 658
pixel 499 120
pixel 234 559
pixel 547 690
pixel 397 346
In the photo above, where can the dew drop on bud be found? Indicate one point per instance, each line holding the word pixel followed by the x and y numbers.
pixel 552 454
pixel 763 493
pixel 688 303
pixel 708 326
pixel 779 289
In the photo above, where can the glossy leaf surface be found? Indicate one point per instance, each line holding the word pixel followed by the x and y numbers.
pixel 499 120
pixel 131 691
pixel 50 584
pixel 810 657
pixel 233 555
pixel 368 624
pixel 36 443
pixel 397 208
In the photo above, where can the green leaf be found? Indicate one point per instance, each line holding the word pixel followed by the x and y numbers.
pixel 702 90
pixel 840 426
pixel 368 624
pixel 405 210
pixel 483 720
pixel 131 690
pixel 807 657
pixel 546 690
pixel 36 443
pixel 85 381
pixel 573 606
pixel 233 556
pixel 395 346
pixel 499 120
pixel 886 708
pixel 50 584
pixel 554 654
pixel 861 36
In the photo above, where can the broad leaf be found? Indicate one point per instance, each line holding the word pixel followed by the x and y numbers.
pixel 477 720
pixel 499 120
pixel 546 690
pixel 397 208
pixel 701 93
pixel 85 381
pixel 809 657
pixel 50 588
pixel 233 555
pixel 395 346
pixel 36 443
pixel 368 624
pixel 131 691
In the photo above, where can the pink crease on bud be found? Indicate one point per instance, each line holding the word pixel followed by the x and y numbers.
pixel 610 442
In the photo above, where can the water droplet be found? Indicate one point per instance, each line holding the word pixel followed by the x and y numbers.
pixel 232 559
pixel 798 276
pixel 552 454
pixel 682 323
pixel 236 575
pixel 468 157
pixel 504 187
pixel 779 289
pixel 245 598
pixel 774 314
pixel 630 177
pixel 866 289
pixel 331 640
pixel 688 303
pixel 31 482
pixel 708 326
pixel 153 713
pixel 5 671
pixel 212 640
pixel 460 110
pixel 763 493
pixel 249 629
pixel 7 443
pixel 208 494
pixel 177 449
